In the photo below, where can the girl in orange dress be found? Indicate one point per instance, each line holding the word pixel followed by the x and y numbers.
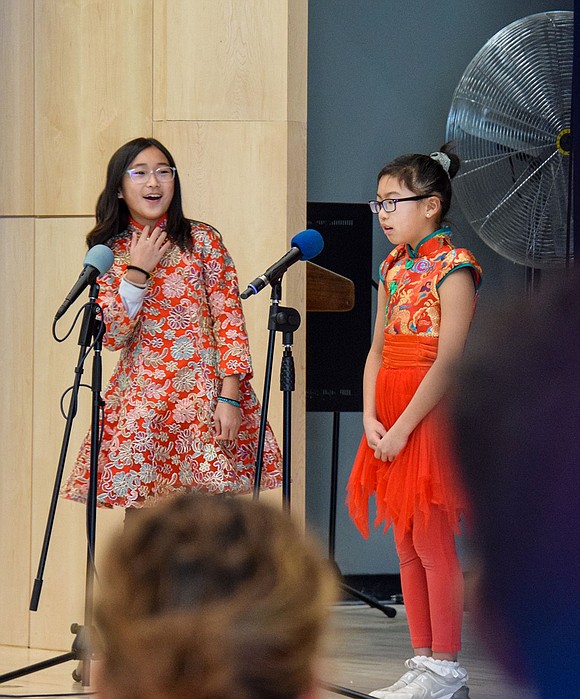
pixel 180 412
pixel 425 307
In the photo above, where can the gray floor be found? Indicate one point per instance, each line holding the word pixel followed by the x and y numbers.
pixel 366 651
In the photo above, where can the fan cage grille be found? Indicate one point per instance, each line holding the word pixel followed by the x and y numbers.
pixel 509 119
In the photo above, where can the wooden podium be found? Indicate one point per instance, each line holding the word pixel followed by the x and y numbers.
pixel 327 291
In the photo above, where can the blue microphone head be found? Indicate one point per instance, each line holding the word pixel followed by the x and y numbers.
pixel 309 242
pixel 100 257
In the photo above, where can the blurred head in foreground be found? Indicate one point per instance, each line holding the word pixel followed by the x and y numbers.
pixel 212 598
pixel 516 412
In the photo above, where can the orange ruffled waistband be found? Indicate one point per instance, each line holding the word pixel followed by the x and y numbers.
pixel 409 350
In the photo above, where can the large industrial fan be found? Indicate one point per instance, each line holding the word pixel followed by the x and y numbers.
pixel 510 121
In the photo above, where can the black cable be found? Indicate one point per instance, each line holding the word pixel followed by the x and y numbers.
pixel 41 696
pixel 343 691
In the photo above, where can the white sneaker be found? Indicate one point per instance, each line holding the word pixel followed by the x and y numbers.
pixel 439 679
pixel 415 668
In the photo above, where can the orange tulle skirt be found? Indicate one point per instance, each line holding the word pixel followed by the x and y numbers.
pixel 424 474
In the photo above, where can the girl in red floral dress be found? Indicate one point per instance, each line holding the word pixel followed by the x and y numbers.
pixel 180 412
pixel 425 307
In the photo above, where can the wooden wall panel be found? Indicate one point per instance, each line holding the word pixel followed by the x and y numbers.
pixel 297 68
pixel 16 313
pixel 224 60
pixel 16 108
pixel 93 63
pixel 59 253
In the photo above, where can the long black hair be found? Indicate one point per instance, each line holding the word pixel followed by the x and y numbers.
pixel 112 214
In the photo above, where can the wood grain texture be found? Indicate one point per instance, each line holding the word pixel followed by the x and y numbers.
pixel 297 61
pixel 223 60
pixel 93 92
pixel 16 108
pixel 16 361
pixel 327 290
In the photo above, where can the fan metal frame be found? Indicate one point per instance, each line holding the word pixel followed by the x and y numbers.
pixel 510 122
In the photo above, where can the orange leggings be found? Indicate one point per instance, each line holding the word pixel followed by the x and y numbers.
pixel 432 582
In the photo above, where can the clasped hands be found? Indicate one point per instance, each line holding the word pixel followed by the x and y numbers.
pixel 387 444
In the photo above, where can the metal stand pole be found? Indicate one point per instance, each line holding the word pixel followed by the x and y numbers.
pixel 285 320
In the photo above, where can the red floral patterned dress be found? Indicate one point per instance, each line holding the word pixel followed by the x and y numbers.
pixel 190 332
pixel 422 475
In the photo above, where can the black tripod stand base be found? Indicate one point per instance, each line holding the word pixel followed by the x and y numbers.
pixel 371 601
pixel 36 667
pixel 80 649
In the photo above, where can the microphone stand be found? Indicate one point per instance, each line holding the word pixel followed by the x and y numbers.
pixel 285 320
pixel 91 334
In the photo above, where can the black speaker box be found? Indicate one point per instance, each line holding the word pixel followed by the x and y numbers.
pixel 337 343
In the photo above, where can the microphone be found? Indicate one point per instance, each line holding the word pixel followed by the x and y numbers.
pixel 304 246
pixel 98 260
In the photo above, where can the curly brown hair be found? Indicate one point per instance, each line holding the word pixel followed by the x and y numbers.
pixel 212 598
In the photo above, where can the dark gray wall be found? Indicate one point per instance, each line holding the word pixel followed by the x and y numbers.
pixel 381 80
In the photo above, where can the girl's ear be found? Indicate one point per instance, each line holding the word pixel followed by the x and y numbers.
pixel 432 206
pixel 119 194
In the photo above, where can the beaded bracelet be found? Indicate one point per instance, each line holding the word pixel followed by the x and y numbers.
pixel 229 401
pixel 138 269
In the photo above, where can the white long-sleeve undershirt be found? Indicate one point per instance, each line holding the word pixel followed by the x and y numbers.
pixel 132 297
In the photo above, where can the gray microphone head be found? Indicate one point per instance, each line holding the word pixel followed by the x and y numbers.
pixel 100 257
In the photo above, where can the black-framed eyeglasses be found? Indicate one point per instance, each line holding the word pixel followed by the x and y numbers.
pixel 390 205
pixel 141 175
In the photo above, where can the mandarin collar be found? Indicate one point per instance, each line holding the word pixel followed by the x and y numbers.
pixel 161 223
pixel 430 244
